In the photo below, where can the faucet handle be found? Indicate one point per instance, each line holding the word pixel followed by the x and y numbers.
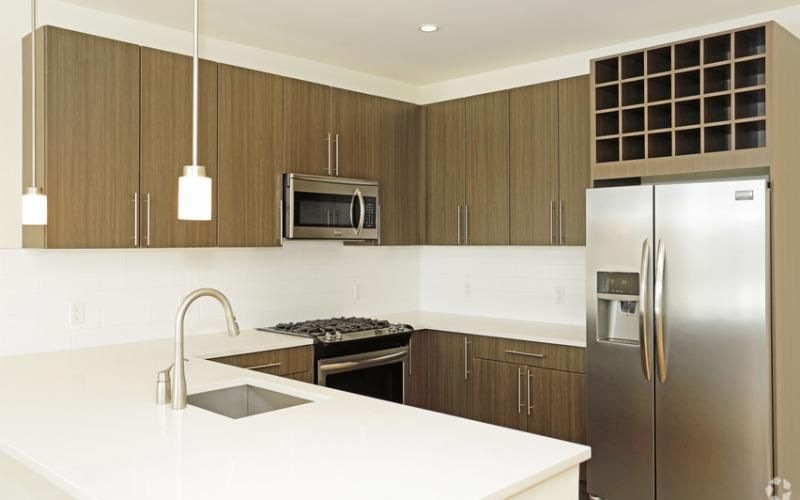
pixel 163 391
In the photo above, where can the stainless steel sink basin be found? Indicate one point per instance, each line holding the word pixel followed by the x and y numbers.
pixel 243 401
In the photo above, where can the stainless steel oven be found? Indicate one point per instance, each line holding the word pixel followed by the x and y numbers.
pixel 321 207
pixel 379 374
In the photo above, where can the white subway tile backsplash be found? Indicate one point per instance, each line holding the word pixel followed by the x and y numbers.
pixel 133 295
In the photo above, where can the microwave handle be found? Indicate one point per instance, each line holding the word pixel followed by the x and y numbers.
pixel 357 194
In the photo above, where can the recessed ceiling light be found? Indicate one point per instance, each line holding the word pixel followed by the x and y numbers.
pixel 428 28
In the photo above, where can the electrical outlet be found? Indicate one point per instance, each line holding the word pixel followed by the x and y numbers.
pixel 561 295
pixel 357 291
pixel 467 289
pixel 77 313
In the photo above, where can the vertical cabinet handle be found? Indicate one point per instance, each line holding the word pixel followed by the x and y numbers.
pixel 147 232
pixel 337 155
pixel 466 358
pixel 519 391
pixel 328 141
pixel 552 215
pixel 530 397
pixel 280 222
pixel 135 236
pixel 561 209
pixel 466 224
pixel 458 216
pixel 410 356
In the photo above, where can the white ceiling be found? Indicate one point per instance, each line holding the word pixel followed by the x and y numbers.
pixel 380 37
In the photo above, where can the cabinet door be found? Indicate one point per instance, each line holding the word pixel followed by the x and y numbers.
pixel 418 370
pixel 449 373
pixel 445 164
pixel 397 169
pixel 307 115
pixel 533 166
pixel 166 146
pixel 250 152
pixel 557 401
pixel 573 158
pixel 497 393
pixel 486 220
pixel 353 119
pixel 92 134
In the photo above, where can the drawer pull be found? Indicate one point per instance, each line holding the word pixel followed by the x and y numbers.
pixel 529 354
pixel 260 367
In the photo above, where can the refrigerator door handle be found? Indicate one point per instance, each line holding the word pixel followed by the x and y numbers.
pixel 661 358
pixel 643 309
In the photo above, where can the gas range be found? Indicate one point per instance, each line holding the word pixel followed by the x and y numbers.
pixel 361 355
pixel 337 330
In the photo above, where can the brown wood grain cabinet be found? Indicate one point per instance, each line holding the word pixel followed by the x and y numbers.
pixel 557 404
pixel 550 167
pixel 574 158
pixel 398 172
pixel 307 125
pixel 353 125
pixel 166 146
pixel 533 170
pixel 418 370
pixel 250 157
pixel 497 394
pixel 445 167
pixel 90 156
pixel 283 362
pixel 486 212
pixel 450 373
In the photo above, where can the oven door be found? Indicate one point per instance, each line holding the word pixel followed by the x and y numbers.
pixel 331 208
pixel 378 374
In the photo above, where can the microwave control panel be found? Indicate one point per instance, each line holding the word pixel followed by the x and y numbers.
pixel 370 213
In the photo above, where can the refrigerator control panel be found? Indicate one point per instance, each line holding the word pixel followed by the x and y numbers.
pixel 618 283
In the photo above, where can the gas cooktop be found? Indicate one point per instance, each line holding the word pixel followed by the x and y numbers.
pixel 340 329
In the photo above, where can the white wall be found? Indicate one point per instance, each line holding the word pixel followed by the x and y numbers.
pixel 526 283
pixel 133 295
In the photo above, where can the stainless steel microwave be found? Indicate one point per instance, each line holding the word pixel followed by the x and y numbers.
pixel 330 208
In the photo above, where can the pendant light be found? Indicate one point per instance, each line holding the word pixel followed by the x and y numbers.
pixel 34 201
pixel 194 186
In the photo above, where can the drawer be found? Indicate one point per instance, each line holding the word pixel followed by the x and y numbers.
pixel 277 362
pixel 302 377
pixel 523 352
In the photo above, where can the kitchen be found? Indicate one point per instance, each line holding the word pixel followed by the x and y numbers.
pixel 477 237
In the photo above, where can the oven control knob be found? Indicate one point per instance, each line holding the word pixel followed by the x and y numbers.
pixel 328 336
pixel 338 336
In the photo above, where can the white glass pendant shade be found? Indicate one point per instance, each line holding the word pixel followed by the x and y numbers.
pixel 34 207
pixel 194 194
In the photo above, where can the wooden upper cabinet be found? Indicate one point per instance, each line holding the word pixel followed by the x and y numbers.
pixel 353 120
pixel 486 219
pixel 307 124
pixel 91 129
pixel 445 163
pixel 398 171
pixel 166 146
pixel 573 158
pixel 533 170
pixel 250 157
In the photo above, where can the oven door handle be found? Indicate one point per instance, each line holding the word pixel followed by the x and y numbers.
pixel 360 361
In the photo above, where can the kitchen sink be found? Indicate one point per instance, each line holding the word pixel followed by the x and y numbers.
pixel 243 401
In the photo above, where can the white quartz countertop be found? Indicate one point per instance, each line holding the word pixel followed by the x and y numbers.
pixel 86 420
pixel 218 345
pixel 534 331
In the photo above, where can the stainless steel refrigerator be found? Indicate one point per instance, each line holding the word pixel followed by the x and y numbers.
pixel 679 341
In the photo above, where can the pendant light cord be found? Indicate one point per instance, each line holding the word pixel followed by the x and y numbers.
pixel 195 77
pixel 33 91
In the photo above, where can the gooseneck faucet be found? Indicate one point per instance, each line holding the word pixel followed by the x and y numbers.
pixel 179 380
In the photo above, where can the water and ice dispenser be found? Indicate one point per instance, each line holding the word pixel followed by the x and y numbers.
pixel 618 307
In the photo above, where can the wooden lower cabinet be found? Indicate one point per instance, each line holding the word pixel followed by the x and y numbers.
pixel 282 362
pixel 418 370
pixel 497 394
pixel 450 373
pixel 557 404
pixel 307 376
